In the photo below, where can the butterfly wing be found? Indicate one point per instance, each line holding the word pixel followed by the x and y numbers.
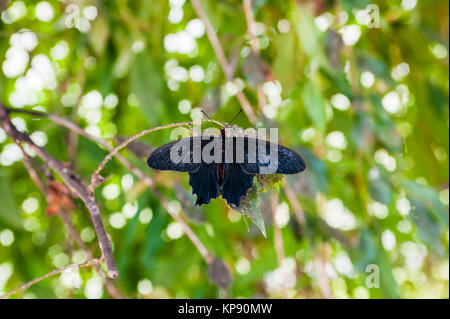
pixel 236 183
pixel 277 159
pixel 160 158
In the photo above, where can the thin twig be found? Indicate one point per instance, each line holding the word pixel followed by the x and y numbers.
pixel 50 274
pixel 189 232
pixel 298 211
pixel 73 181
pixel 213 39
pixel 72 138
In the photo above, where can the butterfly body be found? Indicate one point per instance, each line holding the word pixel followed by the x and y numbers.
pixel 227 164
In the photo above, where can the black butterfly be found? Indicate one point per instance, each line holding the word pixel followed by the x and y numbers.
pixel 231 173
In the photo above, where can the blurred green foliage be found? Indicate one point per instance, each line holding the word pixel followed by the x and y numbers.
pixel 367 107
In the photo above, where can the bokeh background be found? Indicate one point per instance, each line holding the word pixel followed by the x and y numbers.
pixel 363 98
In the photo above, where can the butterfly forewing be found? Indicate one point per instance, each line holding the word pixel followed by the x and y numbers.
pixel 270 158
pixel 184 149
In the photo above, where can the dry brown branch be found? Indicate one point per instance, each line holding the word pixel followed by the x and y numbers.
pixel 278 236
pixel 223 61
pixel 50 274
pixel 207 256
pixel 110 288
pixel 247 6
pixel 72 138
pixel 73 182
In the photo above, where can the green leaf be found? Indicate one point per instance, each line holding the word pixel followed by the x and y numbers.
pixel 314 105
pixel 350 5
pixel 428 228
pixel 249 206
pixel 380 190
pixel 124 54
pixel 264 183
pixel 310 38
pixel 383 126
pixel 147 84
pixel 9 215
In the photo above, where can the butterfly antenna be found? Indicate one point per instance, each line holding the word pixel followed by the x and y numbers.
pixel 235 116
pixel 206 115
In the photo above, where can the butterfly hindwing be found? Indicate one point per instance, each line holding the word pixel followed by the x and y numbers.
pixel 237 174
pixel 236 183
pixel 205 183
